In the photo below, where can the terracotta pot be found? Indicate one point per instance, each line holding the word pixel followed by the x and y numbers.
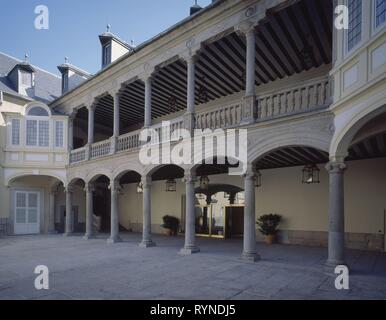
pixel 270 239
pixel 168 232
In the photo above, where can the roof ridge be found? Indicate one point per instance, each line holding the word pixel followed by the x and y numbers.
pixel 20 61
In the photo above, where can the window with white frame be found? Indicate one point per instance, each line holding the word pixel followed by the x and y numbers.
pixel 15 135
pixel 59 134
pixel 106 55
pixel 354 33
pixel 37 127
pixel 26 79
pixel 380 12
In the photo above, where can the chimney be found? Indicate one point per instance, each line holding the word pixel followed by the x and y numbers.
pixel 112 47
pixel 195 8
pixel 71 76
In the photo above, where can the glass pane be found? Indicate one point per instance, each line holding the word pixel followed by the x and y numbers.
pixel 218 220
pixel 15 132
pixel 44 133
pixel 59 134
pixel 21 200
pixel 355 23
pixel 38 112
pixel 380 12
pixel 32 215
pixel 32 200
pixel 21 216
pixel 32 132
pixel 202 220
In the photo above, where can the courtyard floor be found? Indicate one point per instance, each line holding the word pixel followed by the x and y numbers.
pixel 93 269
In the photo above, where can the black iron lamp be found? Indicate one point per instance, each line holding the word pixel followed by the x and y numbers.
pixel 204 182
pixel 171 185
pixel 139 188
pixel 258 179
pixel 311 174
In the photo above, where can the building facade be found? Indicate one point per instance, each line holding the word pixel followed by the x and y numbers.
pixel 312 98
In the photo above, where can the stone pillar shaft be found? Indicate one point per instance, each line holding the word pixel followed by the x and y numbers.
pixel 89 211
pixel 191 84
pixel 148 101
pixel 91 112
pixel 250 63
pixel 114 237
pixel 190 217
pixel 336 214
pixel 51 218
pixel 249 250
pixel 146 233
pixel 69 218
pixel 116 115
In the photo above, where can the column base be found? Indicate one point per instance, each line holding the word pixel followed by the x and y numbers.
pixel 189 250
pixel 68 234
pixel 251 257
pixel 147 244
pixel 88 237
pixel 114 240
pixel 330 266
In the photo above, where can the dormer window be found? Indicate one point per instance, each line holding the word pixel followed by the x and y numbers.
pixel 26 79
pixel 106 54
pixel 380 12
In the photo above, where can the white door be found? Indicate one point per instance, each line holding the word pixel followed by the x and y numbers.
pixel 27 209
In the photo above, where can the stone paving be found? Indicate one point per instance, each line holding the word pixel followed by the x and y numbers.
pixel 93 269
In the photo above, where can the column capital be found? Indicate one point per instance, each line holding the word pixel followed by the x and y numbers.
pixel 336 167
pixel 246 27
pixel 146 182
pixel 73 114
pixel 115 93
pixel 91 107
pixel 89 187
pixel 189 178
pixel 189 57
pixel 69 189
pixel 250 172
pixel 114 186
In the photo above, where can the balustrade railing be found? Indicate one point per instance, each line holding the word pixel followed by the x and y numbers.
pixel 78 155
pixel 100 149
pixel 223 117
pixel 128 141
pixel 311 96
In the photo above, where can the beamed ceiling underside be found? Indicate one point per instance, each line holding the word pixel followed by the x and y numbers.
pixel 288 41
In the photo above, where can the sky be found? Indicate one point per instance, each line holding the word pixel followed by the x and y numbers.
pixel 74 26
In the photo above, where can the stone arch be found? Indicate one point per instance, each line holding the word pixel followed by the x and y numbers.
pixel 153 168
pixel 91 177
pixel 125 168
pixel 18 175
pixel 274 143
pixel 31 105
pixel 344 135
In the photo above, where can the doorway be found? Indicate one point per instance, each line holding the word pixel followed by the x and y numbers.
pixel 27 212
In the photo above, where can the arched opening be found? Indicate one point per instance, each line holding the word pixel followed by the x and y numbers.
pixel 103 118
pixel 294 185
pixel 365 188
pixel 219 200
pixel 78 210
pixel 35 202
pixel 102 204
pixel 80 131
pixel 130 202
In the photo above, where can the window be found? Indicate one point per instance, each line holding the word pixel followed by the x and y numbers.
pixel 354 33
pixel 15 132
pixel 38 133
pixel 106 54
pixel 38 112
pixel 380 12
pixel 26 79
pixel 59 134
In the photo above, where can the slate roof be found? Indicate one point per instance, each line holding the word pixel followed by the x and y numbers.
pixel 47 85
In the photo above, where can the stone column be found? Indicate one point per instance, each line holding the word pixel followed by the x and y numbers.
pixel 189 117
pixel 51 218
pixel 190 217
pixel 146 235
pixel 91 111
pixel 249 250
pixel 115 189
pixel 249 103
pixel 90 188
pixel 116 129
pixel 68 227
pixel 336 215
pixel 148 100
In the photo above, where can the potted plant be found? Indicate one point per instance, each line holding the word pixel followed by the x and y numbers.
pixel 170 225
pixel 268 224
